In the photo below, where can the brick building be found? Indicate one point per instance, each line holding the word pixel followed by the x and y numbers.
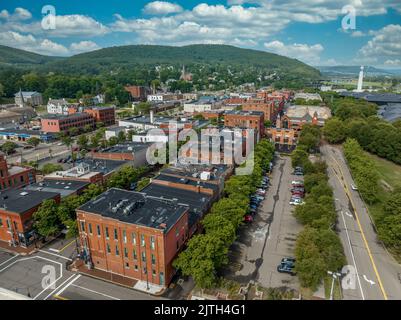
pixel 268 108
pixel 16 210
pixel 62 123
pixel 246 119
pixel 284 138
pixel 138 93
pixel 14 176
pixel 133 235
pixel 105 115
pixel 135 152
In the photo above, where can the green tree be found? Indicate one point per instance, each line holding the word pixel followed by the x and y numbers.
pixel 221 227
pixel 33 141
pixel 51 167
pixel 204 255
pixel 121 137
pixel 334 130
pixel 46 221
pixel 83 141
pixel 9 147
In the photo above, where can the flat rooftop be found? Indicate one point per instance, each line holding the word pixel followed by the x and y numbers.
pixel 125 148
pixel 65 116
pixel 64 187
pixel 198 203
pixel 103 166
pixel 20 201
pixel 186 181
pixel 244 113
pixel 194 171
pixel 156 120
pixel 136 208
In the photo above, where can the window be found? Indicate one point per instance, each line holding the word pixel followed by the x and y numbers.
pixel 90 228
pixel 108 248
pixel 178 245
pixel 127 265
pixel 153 273
pixel 153 259
pixel 21 178
pixel 98 230
pixel 152 242
pixel 126 252
pixel 107 232
pixel 135 255
pixel 125 236
pixel 142 240
pixel 136 267
pixel 117 251
pixel 8 224
pixel 177 232
pixel 161 278
pixel 83 226
pixel 143 256
pixel 115 234
pixel 134 238
pixel 1 222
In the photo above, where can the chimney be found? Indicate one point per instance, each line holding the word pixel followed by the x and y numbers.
pixel 151 116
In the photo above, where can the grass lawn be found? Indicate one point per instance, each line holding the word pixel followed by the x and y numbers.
pixel 327 288
pixel 388 171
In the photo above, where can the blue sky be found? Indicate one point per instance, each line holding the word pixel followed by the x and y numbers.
pixel 309 30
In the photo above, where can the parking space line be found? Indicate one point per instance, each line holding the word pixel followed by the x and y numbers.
pixel 51 293
pixel 17 255
pixel 70 283
pixel 93 291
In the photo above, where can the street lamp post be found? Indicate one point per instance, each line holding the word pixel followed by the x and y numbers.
pixel 334 276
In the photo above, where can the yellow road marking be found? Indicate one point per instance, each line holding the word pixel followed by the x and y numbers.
pixel 66 246
pixel 59 297
pixel 362 232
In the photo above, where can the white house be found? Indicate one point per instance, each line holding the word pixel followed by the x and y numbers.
pixel 57 106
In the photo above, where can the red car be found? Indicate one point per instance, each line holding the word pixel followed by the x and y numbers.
pixel 248 218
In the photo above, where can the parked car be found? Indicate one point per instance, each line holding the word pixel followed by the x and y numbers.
pixel 298 186
pixel 296 201
pixel 284 268
pixel 297 182
pixel 288 261
pixel 248 218
pixel 298 173
pixel 298 189
pixel 298 193
pixel 354 187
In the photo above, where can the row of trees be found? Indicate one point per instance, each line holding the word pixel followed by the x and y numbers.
pixel 363 170
pixel 51 217
pixel 206 253
pixel 357 119
pixel 388 216
pixel 318 248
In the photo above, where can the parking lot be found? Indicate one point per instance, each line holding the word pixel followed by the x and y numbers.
pixel 262 244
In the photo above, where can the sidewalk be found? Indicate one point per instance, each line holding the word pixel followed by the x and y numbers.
pixel 117 279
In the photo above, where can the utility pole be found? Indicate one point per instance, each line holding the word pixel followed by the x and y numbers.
pixel 334 275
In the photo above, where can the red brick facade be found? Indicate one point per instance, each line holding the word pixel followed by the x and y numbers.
pixel 21 177
pixel 12 224
pixel 64 123
pixel 139 252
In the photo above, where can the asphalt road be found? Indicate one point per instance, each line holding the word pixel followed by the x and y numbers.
pixel 262 244
pixel 25 275
pixel 377 274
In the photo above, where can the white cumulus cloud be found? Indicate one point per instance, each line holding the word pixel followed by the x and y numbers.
pixel 306 53
pixel 161 8
pixel 83 46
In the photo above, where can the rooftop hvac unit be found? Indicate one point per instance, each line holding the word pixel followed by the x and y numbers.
pixel 205 175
